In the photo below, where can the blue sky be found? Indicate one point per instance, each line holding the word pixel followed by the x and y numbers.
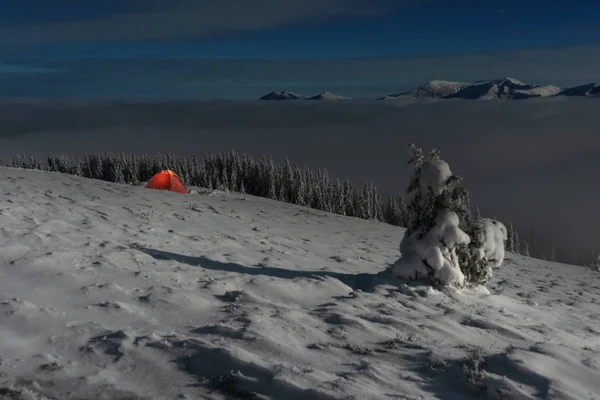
pixel 42 33
pixel 295 29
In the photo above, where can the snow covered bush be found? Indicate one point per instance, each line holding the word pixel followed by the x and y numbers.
pixel 595 265
pixel 485 250
pixel 442 243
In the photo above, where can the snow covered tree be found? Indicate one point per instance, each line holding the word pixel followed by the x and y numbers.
pixel 338 199
pixel 271 177
pixel 403 211
pixel 525 251
pixel 437 245
pixel 486 250
pixel 299 188
pixel 510 244
pixel 595 265
pixel 393 214
pixel 349 197
pixel 552 254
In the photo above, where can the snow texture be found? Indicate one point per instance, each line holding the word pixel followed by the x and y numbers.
pixel 110 291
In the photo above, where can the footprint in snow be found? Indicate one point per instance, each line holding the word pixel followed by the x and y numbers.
pixel 111 343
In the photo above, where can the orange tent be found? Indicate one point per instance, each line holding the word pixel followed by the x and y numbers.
pixel 167 180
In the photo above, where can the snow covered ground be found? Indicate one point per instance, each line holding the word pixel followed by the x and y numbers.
pixel 115 292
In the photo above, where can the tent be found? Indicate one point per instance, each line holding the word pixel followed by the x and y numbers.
pixel 167 180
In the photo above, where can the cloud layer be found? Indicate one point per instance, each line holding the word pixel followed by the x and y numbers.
pixel 532 162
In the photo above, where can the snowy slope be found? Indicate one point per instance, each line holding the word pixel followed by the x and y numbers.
pixel 115 292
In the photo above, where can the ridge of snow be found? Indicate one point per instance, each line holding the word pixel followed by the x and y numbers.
pixel 117 291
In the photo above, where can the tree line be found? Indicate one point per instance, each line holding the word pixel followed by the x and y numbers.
pixel 242 173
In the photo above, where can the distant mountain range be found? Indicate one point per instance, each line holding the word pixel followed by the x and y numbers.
pixel 503 88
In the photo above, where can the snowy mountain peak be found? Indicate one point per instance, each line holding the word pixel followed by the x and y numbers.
pixel 500 88
pixel 328 96
pixel 432 89
pixel 282 95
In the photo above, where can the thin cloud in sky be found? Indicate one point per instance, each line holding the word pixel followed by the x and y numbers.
pixel 181 19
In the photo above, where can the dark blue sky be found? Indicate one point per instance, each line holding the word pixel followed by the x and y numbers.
pixel 240 29
pixel 160 48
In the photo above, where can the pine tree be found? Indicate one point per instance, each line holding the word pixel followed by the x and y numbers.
pixel 300 193
pixel 393 213
pixel 595 264
pixel 233 178
pixel 378 205
pixel 338 200
pixel 510 244
pixel 288 182
pixel 349 197
pixel 526 251
pixel 271 177
pixel 427 203
pixel 404 216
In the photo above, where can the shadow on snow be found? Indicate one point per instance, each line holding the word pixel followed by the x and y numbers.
pixel 364 282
